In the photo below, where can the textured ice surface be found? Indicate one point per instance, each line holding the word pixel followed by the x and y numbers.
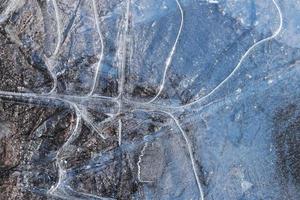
pixel 149 99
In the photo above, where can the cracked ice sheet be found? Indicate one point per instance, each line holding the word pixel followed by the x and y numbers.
pixel 90 96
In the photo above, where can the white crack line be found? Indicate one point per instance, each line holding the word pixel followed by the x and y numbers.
pixel 189 146
pixel 49 61
pixel 170 57
pixel 120 132
pixel 122 74
pixel 190 153
pixel 96 76
pixel 63 98
pixel 276 33
pixel 52 74
pixel 71 138
pixel 53 190
pixel 54 97
pixel 124 49
pixel 58 27
pixel 139 164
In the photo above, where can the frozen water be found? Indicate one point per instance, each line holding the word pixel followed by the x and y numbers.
pixel 149 99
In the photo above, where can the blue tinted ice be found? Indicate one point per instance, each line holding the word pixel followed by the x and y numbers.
pixel 150 99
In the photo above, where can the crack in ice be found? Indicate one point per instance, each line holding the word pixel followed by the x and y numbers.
pixel 98 67
pixel 73 101
pixel 170 57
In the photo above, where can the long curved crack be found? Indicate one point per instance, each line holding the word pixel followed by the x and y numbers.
pixel 49 61
pixel 236 68
pixel 98 67
pixel 74 101
pixel 171 54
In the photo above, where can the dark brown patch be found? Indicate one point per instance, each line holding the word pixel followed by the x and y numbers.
pixel 286 136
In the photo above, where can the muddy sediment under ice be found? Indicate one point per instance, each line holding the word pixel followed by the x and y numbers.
pixel 149 99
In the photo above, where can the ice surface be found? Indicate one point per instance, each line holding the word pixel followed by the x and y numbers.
pixel 149 99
